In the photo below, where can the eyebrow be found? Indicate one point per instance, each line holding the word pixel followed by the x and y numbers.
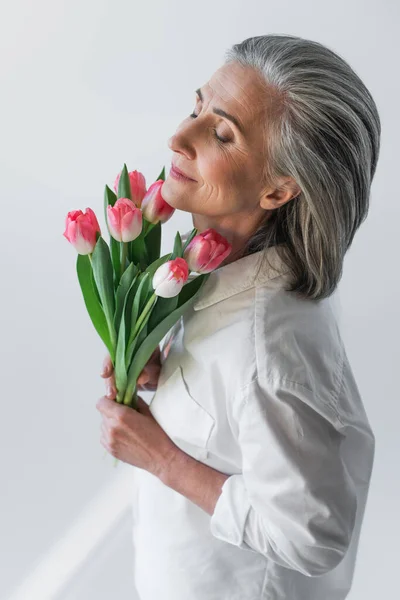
pixel 223 113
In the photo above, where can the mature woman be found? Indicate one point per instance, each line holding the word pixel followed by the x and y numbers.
pixel 254 457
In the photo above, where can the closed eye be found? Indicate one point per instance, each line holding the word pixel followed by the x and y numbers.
pixel 219 138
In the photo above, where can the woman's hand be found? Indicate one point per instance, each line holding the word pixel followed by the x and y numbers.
pixel 135 437
pixel 147 380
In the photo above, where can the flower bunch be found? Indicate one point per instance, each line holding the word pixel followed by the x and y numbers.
pixel 134 296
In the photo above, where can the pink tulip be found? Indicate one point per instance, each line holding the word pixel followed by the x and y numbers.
pixel 81 229
pixel 206 251
pixel 137 184
pixel 124 220
pixel 154 207
pixel 170 277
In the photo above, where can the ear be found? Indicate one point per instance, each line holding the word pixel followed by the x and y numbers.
pixel 275 197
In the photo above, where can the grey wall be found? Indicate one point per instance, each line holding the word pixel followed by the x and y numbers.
pixel 85 87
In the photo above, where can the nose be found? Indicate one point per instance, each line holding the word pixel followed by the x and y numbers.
pixel 179 144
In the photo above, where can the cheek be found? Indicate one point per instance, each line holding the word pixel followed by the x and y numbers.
pixel 222 171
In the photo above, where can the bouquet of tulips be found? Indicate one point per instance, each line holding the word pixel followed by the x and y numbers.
pixel 134 296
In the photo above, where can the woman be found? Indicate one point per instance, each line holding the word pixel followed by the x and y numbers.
pixel 255 454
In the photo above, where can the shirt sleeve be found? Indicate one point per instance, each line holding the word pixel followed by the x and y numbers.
pixel 294 501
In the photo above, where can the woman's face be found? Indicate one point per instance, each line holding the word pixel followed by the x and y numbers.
pixel 228 193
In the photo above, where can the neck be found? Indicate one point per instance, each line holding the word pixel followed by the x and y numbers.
pixel 237 231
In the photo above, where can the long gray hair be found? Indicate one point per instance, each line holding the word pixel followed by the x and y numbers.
pixel 324 131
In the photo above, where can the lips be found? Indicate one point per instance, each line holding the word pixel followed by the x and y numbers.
pixel 182 172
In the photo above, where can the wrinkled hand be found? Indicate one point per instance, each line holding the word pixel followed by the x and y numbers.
pixel 135 437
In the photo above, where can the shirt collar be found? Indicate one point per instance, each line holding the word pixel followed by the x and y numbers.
pixel 238 276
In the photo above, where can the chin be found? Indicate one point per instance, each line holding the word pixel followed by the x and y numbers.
pixel 171 197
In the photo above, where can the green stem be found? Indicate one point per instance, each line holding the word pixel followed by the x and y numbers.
pixel 140 320
pixel 130 396
pixel 124 252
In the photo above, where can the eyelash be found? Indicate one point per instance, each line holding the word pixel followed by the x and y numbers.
pixel 220 139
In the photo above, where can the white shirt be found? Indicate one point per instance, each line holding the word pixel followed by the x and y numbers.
pixel 256 383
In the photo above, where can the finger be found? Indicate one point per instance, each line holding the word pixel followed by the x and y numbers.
pixel 109 407
pixel 111 391
pixel 104 429
pixel 107 368
pixel 104 443
pixel 153 371
pixel 111 388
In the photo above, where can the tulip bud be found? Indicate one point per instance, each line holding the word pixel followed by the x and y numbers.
pixel 206 251
pixel 137 185
pixel 81 229
pixel 170 277
pixel 124 220
pixel 154 207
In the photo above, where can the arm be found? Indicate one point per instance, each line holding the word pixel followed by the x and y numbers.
pixel 294 501
pixel 191 478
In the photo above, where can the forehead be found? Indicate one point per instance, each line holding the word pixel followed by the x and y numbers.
pixel 234 80
pixel 239 89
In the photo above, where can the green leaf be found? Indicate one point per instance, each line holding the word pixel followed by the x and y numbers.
pixel 138 302
pixel 192 234
pixel 140 297
pixel 92 300
pixel 129 301
pixel 177 252
pixel 110 198
pixel 153 242
pixel 137 252
pixel 144 332
pixel 162 309
pixel 147 347
pixel 146 293
pixel 120 371
pixel 124 184
pixel 161 175
pixel 115 247
pixel 190 288
pixel 103 276
pixel 124 286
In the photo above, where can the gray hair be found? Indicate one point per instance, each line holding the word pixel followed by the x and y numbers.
pixel 324 131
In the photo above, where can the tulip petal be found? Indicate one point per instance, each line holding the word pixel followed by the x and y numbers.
pixel 206 251
pixel 161 274
pixel 169 288
pixel 154 207
pixel 131 225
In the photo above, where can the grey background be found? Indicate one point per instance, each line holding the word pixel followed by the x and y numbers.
pixel 85 87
